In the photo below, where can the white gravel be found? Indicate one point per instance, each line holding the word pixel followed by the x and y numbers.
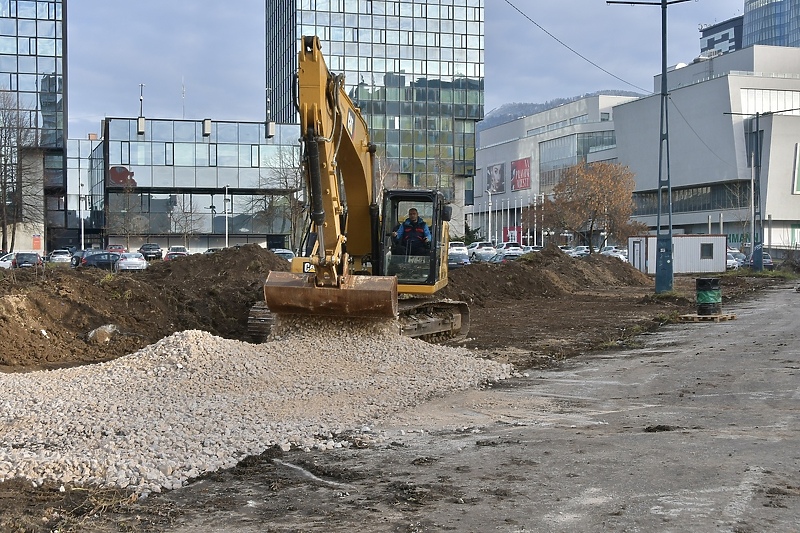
pixel 193 403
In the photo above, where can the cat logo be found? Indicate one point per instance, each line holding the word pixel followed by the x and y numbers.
pixel 308 268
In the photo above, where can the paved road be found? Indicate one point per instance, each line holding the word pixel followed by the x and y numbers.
pixel 695 430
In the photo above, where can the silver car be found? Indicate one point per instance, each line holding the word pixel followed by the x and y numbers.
pixel 481 251
pixel 131 261
pixel 62 255
pixel 5 261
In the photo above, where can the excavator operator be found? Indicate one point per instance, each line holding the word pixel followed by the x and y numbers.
pixel 413 235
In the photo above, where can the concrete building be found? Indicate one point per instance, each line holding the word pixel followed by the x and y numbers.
pixel 716 106
pixel 521 160
pixel 414 68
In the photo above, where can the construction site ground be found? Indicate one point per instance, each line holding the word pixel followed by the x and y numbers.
pixel 541 313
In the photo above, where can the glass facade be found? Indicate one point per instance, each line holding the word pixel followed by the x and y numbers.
pixel 772 22
pixel 563 152
pixel 715 197
pixel 196 182
pixel 32 86
pixel 414 68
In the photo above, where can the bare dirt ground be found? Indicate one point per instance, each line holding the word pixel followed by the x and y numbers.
pixel 535 313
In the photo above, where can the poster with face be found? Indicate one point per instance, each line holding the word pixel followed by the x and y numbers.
pixel 496 178
pixel 521 174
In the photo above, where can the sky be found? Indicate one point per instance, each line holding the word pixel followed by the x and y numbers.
pixel 198 59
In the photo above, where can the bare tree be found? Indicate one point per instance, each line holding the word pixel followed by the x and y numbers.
pixel 278 206
pixel 124 216
pixel 21 170
pixel 185 218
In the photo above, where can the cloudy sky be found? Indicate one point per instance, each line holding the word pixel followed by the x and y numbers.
pixel 205 59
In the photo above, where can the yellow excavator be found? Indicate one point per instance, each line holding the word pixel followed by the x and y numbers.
pixel 357 260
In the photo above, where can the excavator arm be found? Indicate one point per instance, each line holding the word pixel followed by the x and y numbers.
pixel 344 213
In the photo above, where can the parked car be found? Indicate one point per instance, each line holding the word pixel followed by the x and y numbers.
pixel 77 255
pixel 528 249
pixel 5 260
pixel 62 256
pixel 766 261
pixel 116 248
pixel 103 260
pixel 511 245
pixel 151 250
pixel 131 261
pixel 26 260
pixel 614 252
pixel 457 259
pixel 731 263
pixel 741 258
pixel 213 250
pixel 458 246
pixel 172 256
pixel 505 257
pixel 283 252
pixel 481 251
pixel 178 249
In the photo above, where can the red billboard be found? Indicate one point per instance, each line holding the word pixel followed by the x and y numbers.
pixel 521 174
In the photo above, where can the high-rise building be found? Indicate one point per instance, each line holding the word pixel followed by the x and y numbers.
pixel 774 23
pixel 415 68
pixel 32 96
pixel 722 37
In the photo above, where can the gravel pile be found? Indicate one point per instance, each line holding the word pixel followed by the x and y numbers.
pixel 193 403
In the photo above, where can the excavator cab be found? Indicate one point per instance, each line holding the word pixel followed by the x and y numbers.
pixel 419 266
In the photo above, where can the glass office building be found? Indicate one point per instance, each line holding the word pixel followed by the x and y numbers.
pixel 773 22
pixel 201 183
pixel 414 68
pixel 32 96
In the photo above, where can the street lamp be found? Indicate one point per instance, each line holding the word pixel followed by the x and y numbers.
pixel 490 214
pixel 80 215
pixel 226 215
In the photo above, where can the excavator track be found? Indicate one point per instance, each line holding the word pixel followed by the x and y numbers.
pixel 432 320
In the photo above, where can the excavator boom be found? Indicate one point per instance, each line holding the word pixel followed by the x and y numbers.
pixel 338 175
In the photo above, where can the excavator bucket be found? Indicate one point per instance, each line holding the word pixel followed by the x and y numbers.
pixel 359 296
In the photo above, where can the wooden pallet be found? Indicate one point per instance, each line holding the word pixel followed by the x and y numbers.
pixel 706 318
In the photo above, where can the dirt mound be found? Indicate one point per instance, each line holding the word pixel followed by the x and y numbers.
pixel 549 274
pixel 46 316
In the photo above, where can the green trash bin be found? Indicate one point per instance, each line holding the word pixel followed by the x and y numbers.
pixel 709 296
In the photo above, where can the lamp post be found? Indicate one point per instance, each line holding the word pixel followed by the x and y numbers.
pixel 489 215
pixel 80 215
pixel 226 215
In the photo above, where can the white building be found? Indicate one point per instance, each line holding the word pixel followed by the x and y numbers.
pixel 714 108
pixel 519 161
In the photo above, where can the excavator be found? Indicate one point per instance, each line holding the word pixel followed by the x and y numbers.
pixel 354 263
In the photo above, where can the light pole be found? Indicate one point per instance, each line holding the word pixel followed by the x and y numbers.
pixel 489 215
pixel 80 214
pixel 226 216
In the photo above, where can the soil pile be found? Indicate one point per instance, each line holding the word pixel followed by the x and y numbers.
pixel 46 316
pixel 549 274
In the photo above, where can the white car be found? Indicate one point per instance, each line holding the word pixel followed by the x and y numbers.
pixel 731 263
pixel 507 246
pixel 283 252
pixel 62 255
pixel 458 247
pixel 5 261
pixel 481 251
pixel 131 261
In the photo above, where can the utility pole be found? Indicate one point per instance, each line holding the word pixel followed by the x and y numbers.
pixel 664 267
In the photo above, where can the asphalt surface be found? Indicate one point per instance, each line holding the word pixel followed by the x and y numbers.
pixel 695 430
